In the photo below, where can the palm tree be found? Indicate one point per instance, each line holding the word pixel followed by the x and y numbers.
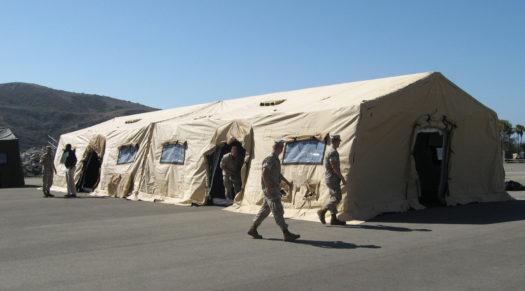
pixel 519 131
pixel 506 130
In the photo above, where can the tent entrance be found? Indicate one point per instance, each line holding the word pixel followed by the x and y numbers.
pixel 90 173
pixel 216 193
pixel 431 153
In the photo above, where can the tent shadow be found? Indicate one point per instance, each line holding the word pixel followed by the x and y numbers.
pixel 476 213
pixel 381 227
pixel 81 197
pixel 328 244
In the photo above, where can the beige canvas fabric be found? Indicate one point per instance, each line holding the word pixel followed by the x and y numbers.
pixel 378 121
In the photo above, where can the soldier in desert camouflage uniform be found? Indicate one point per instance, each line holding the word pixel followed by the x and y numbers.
pixel 270 182
pixel 333 179
pixel 231 165
pixel 48 169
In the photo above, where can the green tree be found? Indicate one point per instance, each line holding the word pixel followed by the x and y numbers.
pixel 506 131
pixel 519 131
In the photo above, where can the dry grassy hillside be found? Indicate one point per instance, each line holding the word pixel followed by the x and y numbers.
pixel 33 112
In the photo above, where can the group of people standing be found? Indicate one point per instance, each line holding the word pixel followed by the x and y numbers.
pixel 48 168
pixel 270 182
pixel 231 165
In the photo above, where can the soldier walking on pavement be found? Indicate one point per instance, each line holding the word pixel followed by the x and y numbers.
pixel 333 178
pixel 270 182
pixel 231 165
pixel 70 163
pixel 48 168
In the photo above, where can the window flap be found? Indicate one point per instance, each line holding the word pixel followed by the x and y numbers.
pixel 129 144
pixel 175 141
pixel 321 136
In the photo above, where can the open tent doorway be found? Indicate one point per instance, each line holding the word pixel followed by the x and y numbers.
pixel 90 175
pixel 90 164
pixel 217 191
pixel 431 152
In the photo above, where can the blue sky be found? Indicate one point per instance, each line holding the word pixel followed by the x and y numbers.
pixel 173 53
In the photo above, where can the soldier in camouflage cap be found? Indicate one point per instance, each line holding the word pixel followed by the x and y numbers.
pixel 333 179
pixel 270 182
pixel 48 169
pixel 231 165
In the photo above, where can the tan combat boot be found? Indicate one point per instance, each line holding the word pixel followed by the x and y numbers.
pixel 288 236
pixel 321 213
pixel 253 232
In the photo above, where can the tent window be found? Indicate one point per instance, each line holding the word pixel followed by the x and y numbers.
pixel 3 159
pixel 127 155
pixel 173 154
pixel 304 152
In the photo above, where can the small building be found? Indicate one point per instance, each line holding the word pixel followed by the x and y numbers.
pixel 11 174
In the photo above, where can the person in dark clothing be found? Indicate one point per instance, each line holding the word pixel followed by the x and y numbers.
pixel 70 163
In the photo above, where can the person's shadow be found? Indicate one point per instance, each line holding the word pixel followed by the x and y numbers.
pixel 328 244
pixel 380 227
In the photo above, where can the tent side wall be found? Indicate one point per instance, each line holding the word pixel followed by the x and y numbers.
pixel 177 183
pixel 268 128
pixel 476 173
pixel 119 180
pixel 379 180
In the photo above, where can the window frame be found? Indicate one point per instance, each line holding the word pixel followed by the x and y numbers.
pixel 304 163
pixel 175 145
pixel 134 156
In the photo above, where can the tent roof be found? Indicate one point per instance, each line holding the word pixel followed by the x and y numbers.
pixel 318 98
pixel 304 100
pixel 6 134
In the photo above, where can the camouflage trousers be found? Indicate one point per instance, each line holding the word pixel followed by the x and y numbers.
pixel 47 181
pixel 335 195
pixel 273 205
pixel 229 182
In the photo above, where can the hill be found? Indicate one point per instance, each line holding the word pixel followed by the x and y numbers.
pixel 33 112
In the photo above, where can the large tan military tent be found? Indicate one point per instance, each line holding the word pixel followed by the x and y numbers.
pixel 411 141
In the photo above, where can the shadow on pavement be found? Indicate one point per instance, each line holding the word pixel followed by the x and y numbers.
pixel 478 213
pixel 328 244
pixel 82 197
pixel 380 227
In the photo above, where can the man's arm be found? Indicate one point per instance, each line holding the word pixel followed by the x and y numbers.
pixel 337 171
pixel 225 169
pixel 266 180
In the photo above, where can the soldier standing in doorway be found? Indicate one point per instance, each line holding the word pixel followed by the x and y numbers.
pixel 270 182
pixel 48 169
pixel 333 179
pixel 231 165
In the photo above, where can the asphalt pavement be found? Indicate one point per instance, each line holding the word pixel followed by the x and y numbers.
pixel 90 243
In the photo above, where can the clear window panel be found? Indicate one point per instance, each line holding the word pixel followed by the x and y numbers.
pixel 304 152
pixel 127 155
pixel 173 154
